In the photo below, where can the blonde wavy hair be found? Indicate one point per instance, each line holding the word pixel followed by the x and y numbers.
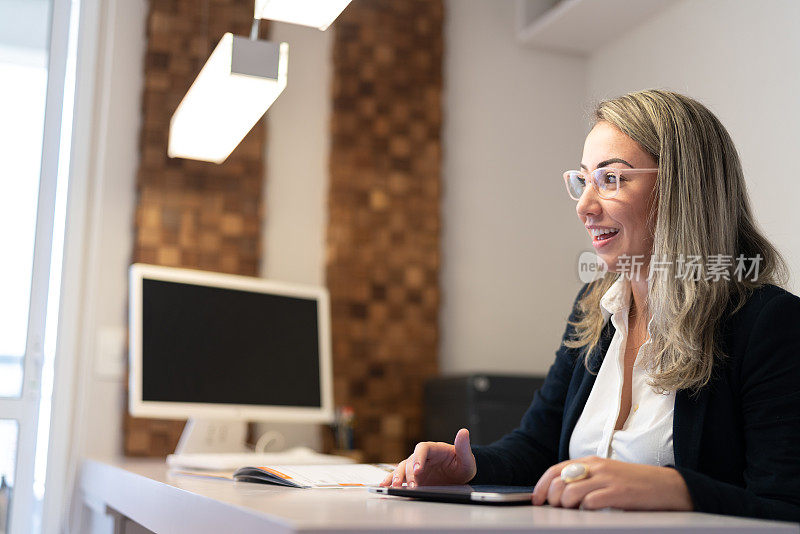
pixel 701 209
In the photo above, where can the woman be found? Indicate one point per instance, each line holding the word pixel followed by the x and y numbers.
pixel 676 383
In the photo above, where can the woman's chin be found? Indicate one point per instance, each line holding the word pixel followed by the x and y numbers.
pixel 613 263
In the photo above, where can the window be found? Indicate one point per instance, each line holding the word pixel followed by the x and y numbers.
pixel 31 98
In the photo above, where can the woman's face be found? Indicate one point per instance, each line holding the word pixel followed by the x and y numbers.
pixel 627 212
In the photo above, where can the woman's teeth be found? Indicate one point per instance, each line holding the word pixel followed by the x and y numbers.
pixel 604 233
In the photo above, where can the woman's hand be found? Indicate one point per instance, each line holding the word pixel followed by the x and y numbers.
pixel 614 484
pixel 436 463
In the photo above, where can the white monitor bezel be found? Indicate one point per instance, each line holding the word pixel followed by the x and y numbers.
pixel 179 410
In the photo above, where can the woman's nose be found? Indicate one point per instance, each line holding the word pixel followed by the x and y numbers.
pixel 589 203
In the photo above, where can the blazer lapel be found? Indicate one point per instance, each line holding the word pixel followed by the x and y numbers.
pixel 688 416
pixel 574 406
pixel 687 426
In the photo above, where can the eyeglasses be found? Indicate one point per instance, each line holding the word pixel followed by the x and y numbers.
pixel 605 179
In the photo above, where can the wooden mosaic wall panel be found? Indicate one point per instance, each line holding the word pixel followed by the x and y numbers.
pixel 191 214
pixel 383 234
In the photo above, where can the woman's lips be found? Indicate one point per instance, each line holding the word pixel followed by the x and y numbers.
pixel 602 240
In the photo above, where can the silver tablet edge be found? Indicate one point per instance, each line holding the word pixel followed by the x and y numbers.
pixel 489 496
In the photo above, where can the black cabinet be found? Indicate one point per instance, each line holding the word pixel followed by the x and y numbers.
pixel 488 405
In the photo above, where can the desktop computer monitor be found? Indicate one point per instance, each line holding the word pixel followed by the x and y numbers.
pixel 209 346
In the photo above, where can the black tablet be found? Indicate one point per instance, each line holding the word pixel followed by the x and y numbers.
pixel 479 494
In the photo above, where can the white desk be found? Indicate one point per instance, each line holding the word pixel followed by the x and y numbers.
pixel 149 496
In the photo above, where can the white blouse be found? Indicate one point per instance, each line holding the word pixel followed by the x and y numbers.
pixel 646 437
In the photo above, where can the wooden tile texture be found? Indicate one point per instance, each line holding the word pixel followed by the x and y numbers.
pixel 383 252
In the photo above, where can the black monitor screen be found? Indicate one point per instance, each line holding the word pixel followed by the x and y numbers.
pixel 213 345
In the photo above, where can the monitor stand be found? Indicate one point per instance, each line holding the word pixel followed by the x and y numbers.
pixel 212 436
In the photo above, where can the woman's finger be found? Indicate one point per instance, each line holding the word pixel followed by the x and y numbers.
pixel 395 473
pixel 421 453
pixel 572 494
pixel 414 466
pixel 543 485
pixel 554 491
pixel 387 481
pixel 464 456
pixel 604 497
pixel 462 446
pixel 399 474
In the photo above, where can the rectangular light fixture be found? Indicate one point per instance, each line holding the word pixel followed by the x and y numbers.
pixel 240 80
pixel 315 13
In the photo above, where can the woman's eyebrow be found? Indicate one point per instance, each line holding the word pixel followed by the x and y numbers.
pixel 606 162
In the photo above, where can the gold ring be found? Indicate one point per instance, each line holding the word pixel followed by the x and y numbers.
pixel 574 471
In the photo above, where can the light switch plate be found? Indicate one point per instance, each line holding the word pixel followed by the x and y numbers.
pixel 111 352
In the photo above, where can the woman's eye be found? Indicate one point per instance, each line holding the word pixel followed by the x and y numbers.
pixel 577 179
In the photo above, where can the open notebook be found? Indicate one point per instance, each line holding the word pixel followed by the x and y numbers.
pixel 316 476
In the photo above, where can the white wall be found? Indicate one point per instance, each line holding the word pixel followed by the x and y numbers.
pixel 297 160
pixel 296 213
pixel 513 122
pixel 740 59
pixel 109 204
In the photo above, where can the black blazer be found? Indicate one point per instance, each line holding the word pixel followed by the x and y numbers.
pixel 736 441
